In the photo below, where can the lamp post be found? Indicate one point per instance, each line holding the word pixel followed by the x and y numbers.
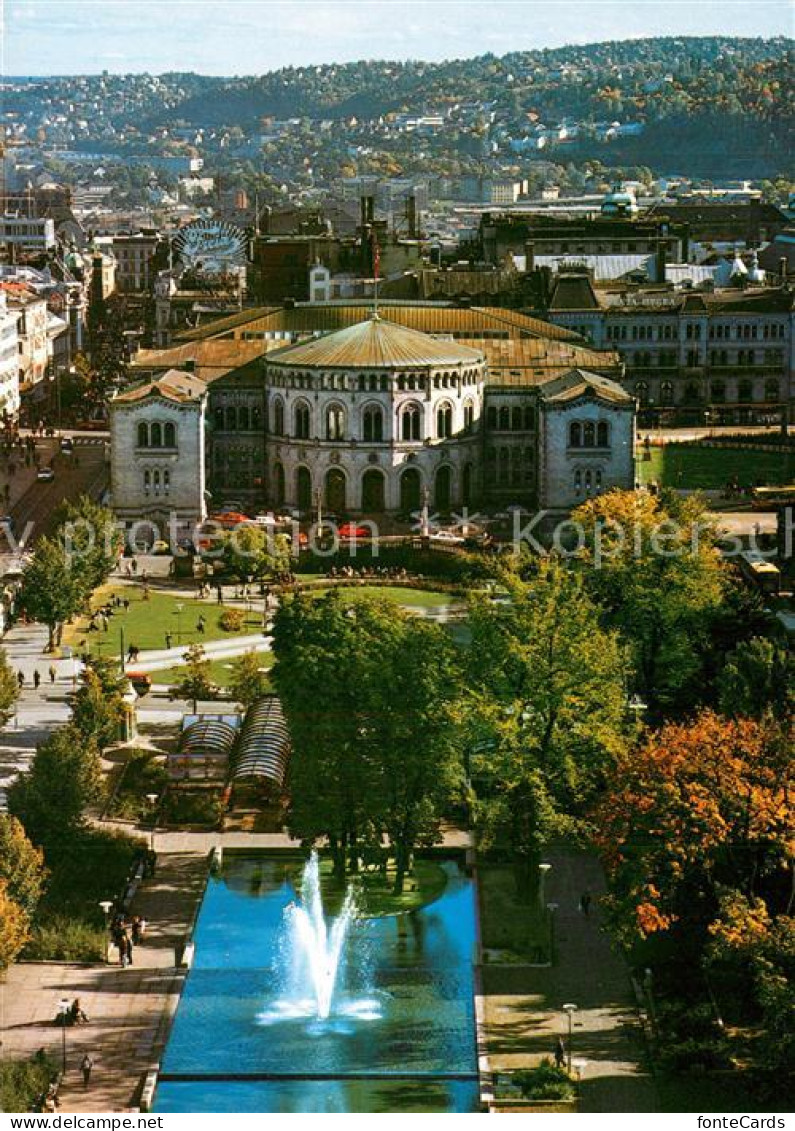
pixel 152 799
pixel 570 1008
pixel 178 610
pixel 106 905
pixel 63 1010
pixel 542 880
pixel 551 909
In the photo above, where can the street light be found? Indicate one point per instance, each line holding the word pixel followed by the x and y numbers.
pixel 178 610
pixel 551 909
pixel 63 1010
pixel 152 799
pixel 570 1008
pixel 106 905
pixel 542 870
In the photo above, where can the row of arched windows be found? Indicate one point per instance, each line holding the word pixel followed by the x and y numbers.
pixel 335 487
pixel 589 435
pixel 587 481
pixel 410 421
pixel 717 392
pixel 237 418
pixel 506 419
pixel 510 467
pixel 156 434
pixel 155 480
pixel 342 382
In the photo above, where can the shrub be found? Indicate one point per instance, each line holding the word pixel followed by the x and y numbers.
pixel 696 1054
pixel 232 620
pixel 193 808
pixel 61 939
pixel 23 1081
pixel 141 775
pixel 545 1082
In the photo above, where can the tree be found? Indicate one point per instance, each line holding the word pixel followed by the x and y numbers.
pixel 97 705
pixel 544 716
pixel 53 588
pixel 249 680
pixel 89 534
pixel 657 573
pixel 14 927
pixel 195 683
pixel 759 676
pixel 64 779
pixel 251 552
pixel 21 864
pixel 9 689
pixel 700 807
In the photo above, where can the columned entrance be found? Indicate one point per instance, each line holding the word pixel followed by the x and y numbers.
pixel 335 490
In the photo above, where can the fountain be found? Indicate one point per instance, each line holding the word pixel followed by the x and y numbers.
pixel 310 959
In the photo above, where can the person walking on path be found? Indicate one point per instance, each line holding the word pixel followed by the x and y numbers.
pixel 21 679
pixel 36 679
pixel 53 673
pixel 168 640
pixel 86 1064
pixel 560 1053
pixel 585 903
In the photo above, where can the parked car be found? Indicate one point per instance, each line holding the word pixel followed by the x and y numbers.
pixel 45 475
pixel 67 445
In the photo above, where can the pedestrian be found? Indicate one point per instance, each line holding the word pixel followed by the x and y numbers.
pixel 86 1064
pixel 585 903
pixel 21 679
pixel 36 679
pixel 138 927
pixel 134 565
pixel 168 639
pixel 560 1053
pixel 200 626
pixel 53 673
pixel 219 591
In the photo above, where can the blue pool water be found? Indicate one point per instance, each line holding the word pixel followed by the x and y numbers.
pixel 411 1049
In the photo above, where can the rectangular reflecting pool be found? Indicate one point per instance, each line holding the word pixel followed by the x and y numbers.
pixel 400 1033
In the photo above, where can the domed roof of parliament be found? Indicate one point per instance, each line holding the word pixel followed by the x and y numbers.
pixel 375 344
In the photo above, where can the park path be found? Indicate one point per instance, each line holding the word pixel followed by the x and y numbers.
pixel 523 1005
pixel 129 1009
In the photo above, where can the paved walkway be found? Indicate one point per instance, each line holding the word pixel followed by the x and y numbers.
pixel 128 1009
pixel 523 1007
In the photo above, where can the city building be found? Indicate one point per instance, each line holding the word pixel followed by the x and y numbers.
pixel 26 235
pixel 9 360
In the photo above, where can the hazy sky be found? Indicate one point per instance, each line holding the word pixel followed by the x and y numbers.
pixel 252 36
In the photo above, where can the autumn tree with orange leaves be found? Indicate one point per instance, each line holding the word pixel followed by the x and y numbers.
pixel 701 808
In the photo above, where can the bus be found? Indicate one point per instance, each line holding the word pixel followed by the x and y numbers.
pixel 761 572
pixel 771 498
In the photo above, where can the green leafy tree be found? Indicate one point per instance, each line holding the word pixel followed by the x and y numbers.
pixel 14 927
pixel 21 864
pixel 9 689
pixel 544 714
pixel 249 680
pixel 655 570
pixel 64 779
pixel 89 534
pixel 759 676
pixel 249 552
pixel 195 683
pixel 97 706
pixel 53 588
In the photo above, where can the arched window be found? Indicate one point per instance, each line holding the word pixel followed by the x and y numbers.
pixel 717 392
pixel 575 435
pixel 588 435
pixel 231 418
pixel 411 423
pixel 505 419
pixel 303 488
pixel 278 483
pixel 667 393
pixel 491 418
pixel 278 417
pixel 256 417
pixel 642 392
pixel 516 419
pixel 587 482
pixel 401 383
pixel 302 421
pixel 469 416
pixel 143 435
pixel 335 422
pixel 598 480
pixel 156 480
pixel 170 435
pixel 166 480
pixel 156 436
pixel 373 425
pixel 603 434
pixel 218 418
pixel 772 389
pixel 444 421
pixel 745 391
pixel 147 481
pixel 242 418
pixel 577 482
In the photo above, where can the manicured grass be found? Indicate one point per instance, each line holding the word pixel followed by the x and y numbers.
pixel 506 923
pixel 146 623
pixel 68 925
pixel 710 469
pixel 374 895
pixel 220 671
pixel 410 597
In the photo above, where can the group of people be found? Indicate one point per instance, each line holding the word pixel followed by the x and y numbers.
pixel 397 573
pixel 36 677
pixel 126 936
pixel 74 1015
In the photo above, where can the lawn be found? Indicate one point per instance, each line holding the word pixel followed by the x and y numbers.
pixel 220 671
pixel 374 895
pixel 710 469
pixel 146 623
pixel 522 929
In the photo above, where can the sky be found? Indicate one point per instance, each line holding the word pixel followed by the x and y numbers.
pixel 236 37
